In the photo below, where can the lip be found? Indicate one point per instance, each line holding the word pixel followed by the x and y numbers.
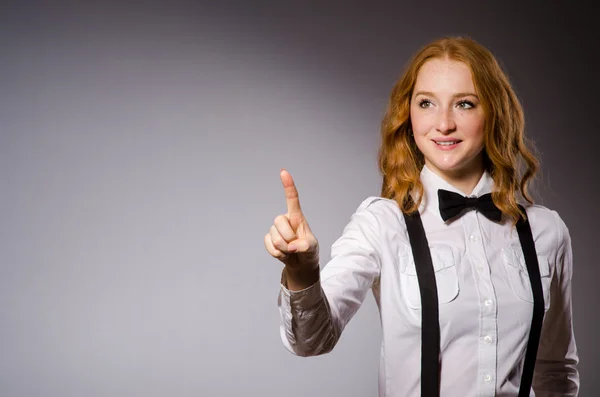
pixel 446 147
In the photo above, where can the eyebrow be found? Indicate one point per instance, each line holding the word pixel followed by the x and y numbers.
pixel 458 94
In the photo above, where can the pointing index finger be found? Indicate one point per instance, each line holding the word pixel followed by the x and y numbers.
pixel 291 193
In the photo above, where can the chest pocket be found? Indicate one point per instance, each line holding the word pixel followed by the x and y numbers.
pixel 446 276
pixel 518 277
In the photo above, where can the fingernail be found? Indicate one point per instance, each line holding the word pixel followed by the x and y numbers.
pixel 291 247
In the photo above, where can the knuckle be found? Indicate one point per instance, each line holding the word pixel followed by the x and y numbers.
pixel 279 255
pixel 278 242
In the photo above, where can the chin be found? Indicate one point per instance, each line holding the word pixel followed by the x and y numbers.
pixel 455 167
pixel 446 166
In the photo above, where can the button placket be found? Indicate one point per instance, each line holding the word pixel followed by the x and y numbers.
pixel 488 314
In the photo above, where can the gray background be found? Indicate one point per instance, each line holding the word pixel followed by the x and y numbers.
pixel 140 149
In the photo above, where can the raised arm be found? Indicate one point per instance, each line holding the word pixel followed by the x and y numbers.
pixel 315 307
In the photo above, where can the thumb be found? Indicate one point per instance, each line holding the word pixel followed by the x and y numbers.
pixel 299 245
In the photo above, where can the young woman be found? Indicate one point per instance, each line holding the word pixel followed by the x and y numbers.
pixel 474 290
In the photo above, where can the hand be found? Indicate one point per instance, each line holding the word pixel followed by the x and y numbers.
pixel 290 239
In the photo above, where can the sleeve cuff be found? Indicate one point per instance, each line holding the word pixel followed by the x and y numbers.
pixel 302 300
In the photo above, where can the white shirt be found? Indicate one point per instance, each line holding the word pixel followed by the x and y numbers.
pixel 485 298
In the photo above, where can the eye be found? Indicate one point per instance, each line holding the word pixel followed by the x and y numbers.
pixel 465 105
pixel 425 103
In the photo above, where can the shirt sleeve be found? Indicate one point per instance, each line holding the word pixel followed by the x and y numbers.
pixel 556 373
pixel 313 319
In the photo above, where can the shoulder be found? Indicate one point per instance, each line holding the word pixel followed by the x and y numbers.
pixel 380 217
pixel 547 227
pixel 376 223
pixel 380 208
pixel 377 214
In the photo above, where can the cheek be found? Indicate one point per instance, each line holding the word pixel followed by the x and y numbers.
pixel 420 137
pixel 421 126
pixel 419 123
pixel 474 128
pixel 478 138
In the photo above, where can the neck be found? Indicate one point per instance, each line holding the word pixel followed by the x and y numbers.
pixel 464 180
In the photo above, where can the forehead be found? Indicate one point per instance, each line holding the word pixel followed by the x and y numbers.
pixel 444 75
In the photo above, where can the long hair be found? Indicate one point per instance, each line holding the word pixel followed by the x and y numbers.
pixel 505 155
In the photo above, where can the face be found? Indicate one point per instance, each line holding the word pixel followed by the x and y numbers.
pixel 448 119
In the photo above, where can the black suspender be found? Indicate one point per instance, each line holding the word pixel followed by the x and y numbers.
pixel 430 323
pixel 430 328
pixel 531 261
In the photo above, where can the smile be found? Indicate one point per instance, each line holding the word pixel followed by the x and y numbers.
pixel 447 143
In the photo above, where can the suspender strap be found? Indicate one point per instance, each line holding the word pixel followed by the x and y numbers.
pixel 531 261
pixel 430 324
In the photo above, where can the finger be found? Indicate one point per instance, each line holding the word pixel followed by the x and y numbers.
pixel 291 193
pixel 278 241
pixel 282 224
pixel 300 245
pixel 272 250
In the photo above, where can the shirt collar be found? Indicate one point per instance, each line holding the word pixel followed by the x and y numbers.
pixel 432 182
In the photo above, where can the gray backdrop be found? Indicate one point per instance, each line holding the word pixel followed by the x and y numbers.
pixel 140 149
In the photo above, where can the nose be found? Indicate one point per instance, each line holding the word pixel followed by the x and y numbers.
pixel 445 121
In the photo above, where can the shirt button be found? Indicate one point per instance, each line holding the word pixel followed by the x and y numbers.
pixel 472 238
pixel 487 378
pixel 487 339
pixel 488 302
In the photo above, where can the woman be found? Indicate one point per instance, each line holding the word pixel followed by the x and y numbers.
pixel 464 303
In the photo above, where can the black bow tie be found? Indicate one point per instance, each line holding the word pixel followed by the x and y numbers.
pixel 452 204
